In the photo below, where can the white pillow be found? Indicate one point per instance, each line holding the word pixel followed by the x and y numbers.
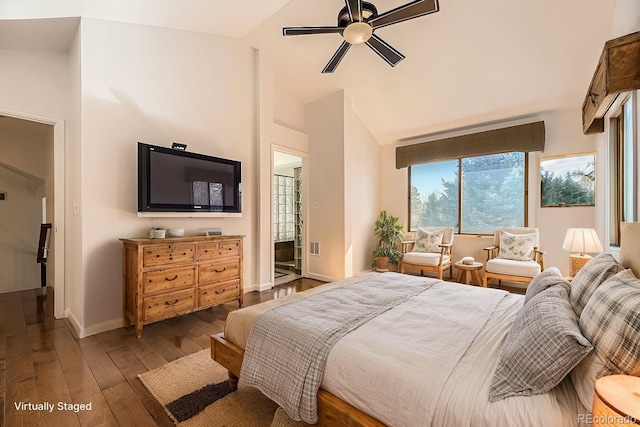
pixel 428 240
pixel 518 247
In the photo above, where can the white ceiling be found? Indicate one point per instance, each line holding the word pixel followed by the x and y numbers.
pixel 472 62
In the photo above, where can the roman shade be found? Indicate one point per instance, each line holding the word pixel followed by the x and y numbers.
pixel 520 138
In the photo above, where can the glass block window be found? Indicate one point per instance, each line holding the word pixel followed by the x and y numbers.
pixel 283 208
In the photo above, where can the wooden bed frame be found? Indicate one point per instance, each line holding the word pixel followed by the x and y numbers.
pixel 332 411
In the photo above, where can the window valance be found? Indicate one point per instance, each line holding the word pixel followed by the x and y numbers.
pixel 522 138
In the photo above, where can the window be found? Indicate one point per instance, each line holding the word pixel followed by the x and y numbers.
pixel 622 204
pixel 283 208
pixel 492 193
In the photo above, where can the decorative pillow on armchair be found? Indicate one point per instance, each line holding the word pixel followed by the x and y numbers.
pixel 428 240
pixel 518 247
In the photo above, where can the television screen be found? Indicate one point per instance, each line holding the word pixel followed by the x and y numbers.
pixel 179 181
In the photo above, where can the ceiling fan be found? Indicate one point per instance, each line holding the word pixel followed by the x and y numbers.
pixel 356 23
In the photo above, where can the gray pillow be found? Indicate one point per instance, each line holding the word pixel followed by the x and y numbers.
pixel 611 320
pixel 549 277
pixel 589 278
pixel 543 345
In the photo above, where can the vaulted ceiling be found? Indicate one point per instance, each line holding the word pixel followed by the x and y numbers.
pixel 472 62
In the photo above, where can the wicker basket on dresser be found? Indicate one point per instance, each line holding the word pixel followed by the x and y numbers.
pixel 165 278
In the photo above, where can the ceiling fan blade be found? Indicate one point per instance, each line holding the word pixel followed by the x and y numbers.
pixel 389 54
pixel 355 10
pixel 408 11
pixel 337 57
pixel 301 31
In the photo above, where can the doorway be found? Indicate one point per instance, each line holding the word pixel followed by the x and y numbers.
pixel 55 145
pixel 287 213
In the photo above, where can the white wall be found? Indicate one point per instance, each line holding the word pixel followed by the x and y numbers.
pixel 626 18
pixel 158 86
pixel 34 81
pixel 563 136
pixel 19 231
pixel 325 127
pixel 73 266
pixel 344 188
pixel 362 192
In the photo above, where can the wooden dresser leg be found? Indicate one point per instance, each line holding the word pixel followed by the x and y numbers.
pixel 139 329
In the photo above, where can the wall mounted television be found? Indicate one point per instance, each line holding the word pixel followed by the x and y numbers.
pixel 172 180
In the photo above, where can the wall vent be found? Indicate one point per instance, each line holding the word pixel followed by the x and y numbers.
pixel 3 196
pixel 314 248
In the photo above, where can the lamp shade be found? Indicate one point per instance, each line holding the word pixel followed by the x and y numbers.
pixel 583 240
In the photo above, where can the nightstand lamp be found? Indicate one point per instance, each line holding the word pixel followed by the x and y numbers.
pixel 616 401
pixel 582 241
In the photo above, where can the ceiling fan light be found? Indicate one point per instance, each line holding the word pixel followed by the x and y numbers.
pixel 357 32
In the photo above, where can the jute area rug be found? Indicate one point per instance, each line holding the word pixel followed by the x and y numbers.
pixel 194 392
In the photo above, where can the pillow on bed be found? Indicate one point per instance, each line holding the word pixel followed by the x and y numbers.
pixel 428 240
pixel 518 247
pixel 611 321
pixel 589 278
pixel 584 377
pixel 549 277
pixel 543 345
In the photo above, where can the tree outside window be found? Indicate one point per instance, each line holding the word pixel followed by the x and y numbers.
pixel 492 193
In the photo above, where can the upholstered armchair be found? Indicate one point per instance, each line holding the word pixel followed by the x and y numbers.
pixel 514 256
pixel 428 249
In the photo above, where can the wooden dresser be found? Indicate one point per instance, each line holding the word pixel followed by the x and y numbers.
pixel 165 278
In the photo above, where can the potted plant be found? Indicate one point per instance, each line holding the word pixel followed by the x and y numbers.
pixel 389 234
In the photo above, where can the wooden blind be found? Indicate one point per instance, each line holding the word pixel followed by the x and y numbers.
pixel 520 138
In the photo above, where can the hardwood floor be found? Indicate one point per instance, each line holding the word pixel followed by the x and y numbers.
pixel 42 361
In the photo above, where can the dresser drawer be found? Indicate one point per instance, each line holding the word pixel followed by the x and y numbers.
pixel 168 305
pixel 218 294
pixel 218 272
pixel 166 280
pixel 214 250
pixel 168 254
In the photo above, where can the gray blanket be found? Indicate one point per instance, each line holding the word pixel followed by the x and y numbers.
pixel 288 346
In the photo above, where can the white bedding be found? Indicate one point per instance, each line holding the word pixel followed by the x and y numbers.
pixel 384 366
pixel 379 368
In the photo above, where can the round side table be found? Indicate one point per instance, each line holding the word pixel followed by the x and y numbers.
pixel 616 401
pixel 469 270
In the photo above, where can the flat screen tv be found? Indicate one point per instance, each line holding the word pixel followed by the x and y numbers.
pixel 172 180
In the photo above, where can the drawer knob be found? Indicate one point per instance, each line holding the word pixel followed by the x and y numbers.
pixel 220 291
pixel 172 279
pixel 220 271
pixel 171 303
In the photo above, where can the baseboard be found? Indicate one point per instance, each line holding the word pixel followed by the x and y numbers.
pixel 258 287
pixel 83 332
pixel 320 277
pixel 265 287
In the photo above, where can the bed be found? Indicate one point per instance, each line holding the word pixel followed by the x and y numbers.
pixel 433 357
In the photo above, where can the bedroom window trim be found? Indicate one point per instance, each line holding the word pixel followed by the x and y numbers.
pixel 622 164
